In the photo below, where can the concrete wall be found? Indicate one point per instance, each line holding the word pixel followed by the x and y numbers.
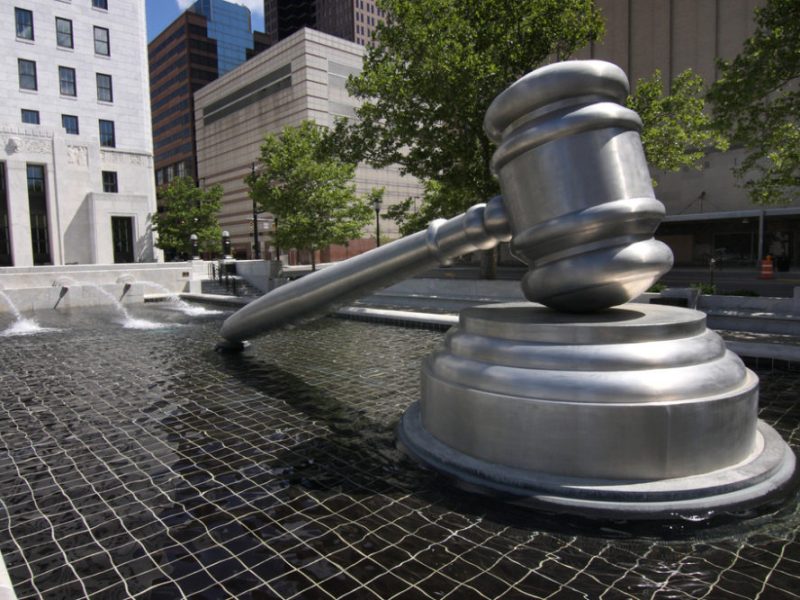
pixel 175 277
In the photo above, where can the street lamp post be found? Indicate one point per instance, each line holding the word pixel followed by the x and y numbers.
pixel 256 244
pixel 376 204
pixel 226 245
pixel 195 246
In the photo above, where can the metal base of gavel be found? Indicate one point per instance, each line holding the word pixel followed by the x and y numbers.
pixel 634 412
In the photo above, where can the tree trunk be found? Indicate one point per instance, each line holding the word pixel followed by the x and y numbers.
pixel 313 260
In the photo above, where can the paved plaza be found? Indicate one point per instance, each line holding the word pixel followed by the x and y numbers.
pixel 141 463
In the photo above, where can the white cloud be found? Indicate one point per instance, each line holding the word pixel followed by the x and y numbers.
pixel 184 4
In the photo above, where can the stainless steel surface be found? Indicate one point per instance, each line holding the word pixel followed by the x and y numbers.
pixel 576 186
pixel 626 401
pixel 634 411
pixel 763 477
pixel 481 227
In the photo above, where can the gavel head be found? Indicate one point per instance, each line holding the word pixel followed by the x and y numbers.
pixel 576 187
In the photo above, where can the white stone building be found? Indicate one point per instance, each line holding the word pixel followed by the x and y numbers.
pixel 301 77
pixel 76 150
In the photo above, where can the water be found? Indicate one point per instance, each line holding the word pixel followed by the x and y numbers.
pixel 21 325
pixel 145 457
pixel 128 322
pixel 183 306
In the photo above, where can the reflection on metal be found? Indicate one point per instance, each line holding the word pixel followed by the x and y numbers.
pixel 576 187
pixel 637 411
pixel 481 227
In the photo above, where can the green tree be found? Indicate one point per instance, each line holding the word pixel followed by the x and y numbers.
pixel 677 132
pixel 757 100
pixel 432 73
pixel 308 190
pixel 187 210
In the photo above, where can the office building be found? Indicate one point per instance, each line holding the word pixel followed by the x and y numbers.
pixel 209 39
pixel 353 20
pixel 708 215
pixel 76 166
pixel 301 77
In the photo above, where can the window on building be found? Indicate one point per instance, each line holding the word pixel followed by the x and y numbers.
pixel 105 91
pixel 31 117
pixel 107 137
pixel 64 33
pixel 37 204
pixel 70 124
pixel 101 41
pixel 27 74
pixel 24 21
pixel 110 182
pixel 6 258
pixel 66 81
pixel 100 4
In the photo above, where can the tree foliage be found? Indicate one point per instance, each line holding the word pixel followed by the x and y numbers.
pixel 757 100
pixel 308 190
pixel 677 132
pixel 187 210
pixel 432 73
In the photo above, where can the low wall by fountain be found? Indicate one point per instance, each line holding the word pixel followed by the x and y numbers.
pixel 47 287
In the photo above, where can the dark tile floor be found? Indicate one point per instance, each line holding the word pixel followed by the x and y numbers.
pixel 140 463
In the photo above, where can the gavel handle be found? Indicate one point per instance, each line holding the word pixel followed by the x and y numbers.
pixel 481 227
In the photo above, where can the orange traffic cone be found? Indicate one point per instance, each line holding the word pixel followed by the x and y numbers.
pixel 767 271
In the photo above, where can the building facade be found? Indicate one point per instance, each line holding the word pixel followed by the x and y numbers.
pixel 209 39
pixel 708 215
pixel 76 163
pixel 353 20
pixel 302 77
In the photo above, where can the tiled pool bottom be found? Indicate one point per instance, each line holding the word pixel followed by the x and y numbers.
pixel 143 464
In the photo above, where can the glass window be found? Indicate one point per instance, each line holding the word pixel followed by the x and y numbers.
pixel 70 124
pixel 107 137
pixel 64 32
pixel 100 4
pixel 105 90
pixel 66 81
pixel 101 42
pixel 30 116
pixel 110 182
pixel 24 21
pixel 27 74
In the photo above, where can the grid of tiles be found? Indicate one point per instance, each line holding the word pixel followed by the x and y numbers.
pixel 142 464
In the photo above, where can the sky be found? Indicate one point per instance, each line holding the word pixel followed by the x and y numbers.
pixel 161 13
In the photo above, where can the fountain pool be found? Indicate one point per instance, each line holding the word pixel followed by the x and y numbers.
pixel 141 463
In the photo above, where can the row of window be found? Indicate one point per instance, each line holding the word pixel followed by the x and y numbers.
pixel 36 180
pixel 64 33
pixel 70 125
pixel 67 81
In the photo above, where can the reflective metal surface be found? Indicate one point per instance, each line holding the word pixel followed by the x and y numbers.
pixel 637 411
pixel 481 227
pixel 576 186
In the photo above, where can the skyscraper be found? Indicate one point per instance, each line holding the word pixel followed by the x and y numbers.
pixel 353 20
pixel 209 39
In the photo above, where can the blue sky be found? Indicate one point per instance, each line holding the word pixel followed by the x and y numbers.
pixel 161 13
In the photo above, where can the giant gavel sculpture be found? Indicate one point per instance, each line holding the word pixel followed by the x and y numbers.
pixel 574 401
